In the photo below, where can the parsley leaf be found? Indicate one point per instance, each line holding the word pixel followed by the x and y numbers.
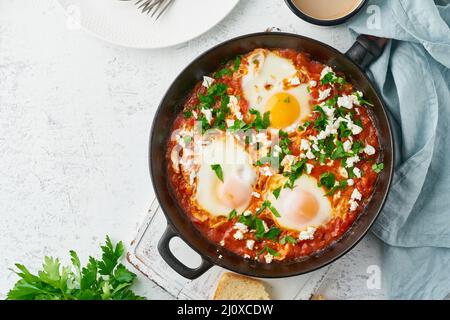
pixel 232 214
pixel 223 72
pixel 260 123
pixel 268 250
pixel 327 180
pixel 377 168
pixel 288 239
pixel 277 192
pixel 272 234
pixel 217 168
pixel 237 63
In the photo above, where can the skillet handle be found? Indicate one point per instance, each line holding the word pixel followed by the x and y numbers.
pixel 366 50
pixel 173 262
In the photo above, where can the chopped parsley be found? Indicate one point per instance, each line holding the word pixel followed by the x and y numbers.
pixel 272 234
pixel 327 180
pixel 187 114
pixel 237 63
pixel 232 214
pixel 377 168
pixel 288 239
pixel 223 72
pixel 342 185
pixel 268 250
pixel 217 168
pixel 330 77
pixel 297 170
pixel 276 192
pixel 260 122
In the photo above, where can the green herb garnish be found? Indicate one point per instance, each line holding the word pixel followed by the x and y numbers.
pixel 260 122
pixel 104 279
pixel 268 250
pixel 232 214
pixel 277 192
pixel 327 180
pixel 377 168
pixel 217 168
pixel 288 239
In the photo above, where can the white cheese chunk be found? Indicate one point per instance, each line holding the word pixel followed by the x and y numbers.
pixel 207 81
pixel 307 234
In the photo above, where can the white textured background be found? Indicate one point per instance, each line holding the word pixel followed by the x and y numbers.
pixel 75 114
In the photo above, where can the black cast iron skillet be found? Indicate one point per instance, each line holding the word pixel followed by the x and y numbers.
pixel 352 64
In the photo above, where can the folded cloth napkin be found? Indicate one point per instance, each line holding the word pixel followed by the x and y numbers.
pixel 414 78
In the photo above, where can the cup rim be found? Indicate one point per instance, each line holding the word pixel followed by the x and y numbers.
pixel 321 22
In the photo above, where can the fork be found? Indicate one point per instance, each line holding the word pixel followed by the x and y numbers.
pixel 153 7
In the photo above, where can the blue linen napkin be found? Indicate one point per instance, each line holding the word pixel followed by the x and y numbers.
pixel 414 78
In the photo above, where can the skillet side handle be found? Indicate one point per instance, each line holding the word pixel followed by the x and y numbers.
pixel 173 262
pixel 366 50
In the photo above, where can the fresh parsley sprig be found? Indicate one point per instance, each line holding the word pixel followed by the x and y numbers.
pixel 104 279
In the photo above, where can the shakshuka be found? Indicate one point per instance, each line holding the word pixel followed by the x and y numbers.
pixel 274 155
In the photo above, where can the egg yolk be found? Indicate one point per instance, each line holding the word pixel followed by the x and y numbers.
pixel 284 110
pixel 301 206
pixel 234 192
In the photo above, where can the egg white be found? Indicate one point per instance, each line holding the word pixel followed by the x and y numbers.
pixel 267 68
pixel 306 183
pixel 235 162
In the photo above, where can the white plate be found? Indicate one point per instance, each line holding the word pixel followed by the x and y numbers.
pixel 120 22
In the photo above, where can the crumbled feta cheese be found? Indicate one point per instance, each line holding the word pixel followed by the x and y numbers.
pixel 265 171
pixel 250 244
pixel 355 129
pixel 347 146
pixel 222 243
pixel 309 168
pixel 326 71
pixel 247 213
pixel 230 122
pixel 369 150
pixel 220 256
pixel 359 95
pixel 287 162
pixel 268 258
pixel 350 182
pixel 353 205
pixel 238 235
pixel 256 194
pixel 330 163
pixel 305 145
pixel 295 81
pixel 347 101
pixel 356 195
pixel 357 172
pixel 310 155
pixel 323 94
pixel 307 234
pixel 315 147
pixel 208 115
pixel 241 227
pixel 312 83
pixel 266 228
pixel 350 162
pixel 246 256
pixel 234 107
pixel 207 81
pixel 343 172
